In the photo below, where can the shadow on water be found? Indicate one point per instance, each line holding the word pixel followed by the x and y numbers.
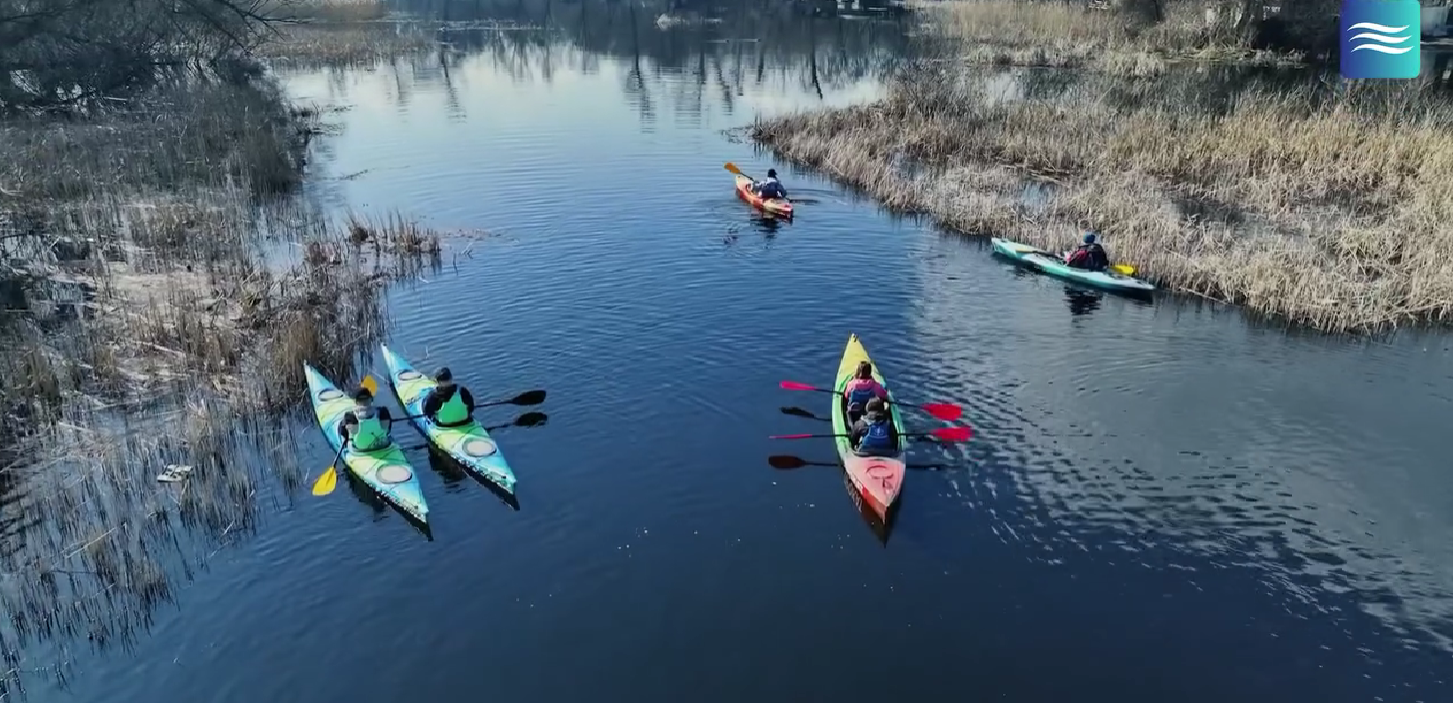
pixel 454 472
pixel 448 469
pixel 382 508
pixel 1081 301
pixel 769 225
pixel 881 528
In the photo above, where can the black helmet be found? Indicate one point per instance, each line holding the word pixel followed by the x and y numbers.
pixel 443 374
pixel 362 394
pixel 771 173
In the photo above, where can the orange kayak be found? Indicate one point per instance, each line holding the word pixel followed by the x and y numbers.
pixel 781 207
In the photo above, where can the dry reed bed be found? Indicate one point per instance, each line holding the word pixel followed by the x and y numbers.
pixel 340 32
pixel 308 45
pixel 160 286
pixel 1067 35
pixel 1330 214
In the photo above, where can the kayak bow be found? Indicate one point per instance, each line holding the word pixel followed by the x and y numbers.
pixel 468 444
pixel 878 480
pixel 781 207
pixel 1055 266
pixel 386 470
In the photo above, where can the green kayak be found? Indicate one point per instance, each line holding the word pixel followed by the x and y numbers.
pixel 386 470
pixel 469 444
pixel 1055 266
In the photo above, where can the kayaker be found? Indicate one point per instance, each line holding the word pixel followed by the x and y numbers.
pixel 448 404
pixel 1089 255
pixel 364 426
pixel 770 188
pixel 862 387
pixel 872 434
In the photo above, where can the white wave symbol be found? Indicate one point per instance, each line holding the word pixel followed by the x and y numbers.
pixel 1384 38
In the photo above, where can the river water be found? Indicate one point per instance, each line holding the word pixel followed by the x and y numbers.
pixel 1163 502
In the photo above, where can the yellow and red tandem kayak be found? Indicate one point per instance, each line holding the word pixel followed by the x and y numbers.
pixel 878 480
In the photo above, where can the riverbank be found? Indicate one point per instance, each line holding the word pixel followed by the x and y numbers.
pixel 1124 38
pixel 341 32
pixel 163 281
pixel 1324 207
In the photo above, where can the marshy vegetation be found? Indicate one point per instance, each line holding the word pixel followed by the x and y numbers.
pixel 340 32
pixel 1300 196
pixel 161 280
pixel 1134 37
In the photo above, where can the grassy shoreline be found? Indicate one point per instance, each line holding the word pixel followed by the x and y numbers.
pixel 1322 208
pixel 1123 41
pixel 163 281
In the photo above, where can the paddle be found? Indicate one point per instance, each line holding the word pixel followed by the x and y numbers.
pixel 1122 269
pixel 329 480
pixel 787 462
pixel 942 411
pixel 947 434
pixel 733 168
pixel 534 397
pixel 531 419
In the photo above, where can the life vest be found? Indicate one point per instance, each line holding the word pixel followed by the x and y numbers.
pixel 370 433
pixel 879 436
pixel 452 411
pixel 861 395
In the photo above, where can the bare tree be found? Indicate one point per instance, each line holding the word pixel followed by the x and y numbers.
pixel 60 53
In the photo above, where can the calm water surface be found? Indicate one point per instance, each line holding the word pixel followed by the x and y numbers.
pixel 1163 502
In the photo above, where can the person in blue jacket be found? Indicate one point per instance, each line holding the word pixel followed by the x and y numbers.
pixel 770 188
pixel 872 434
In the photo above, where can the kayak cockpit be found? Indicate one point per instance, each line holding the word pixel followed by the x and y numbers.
pixel 852 414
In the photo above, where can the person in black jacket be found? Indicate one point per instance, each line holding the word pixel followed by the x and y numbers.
pixel 448 404
pixel 366 426
pixel 1089 255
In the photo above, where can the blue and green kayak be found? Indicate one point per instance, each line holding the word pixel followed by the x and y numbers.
pixel 386 470
pixel 1055 266
pixel 469 444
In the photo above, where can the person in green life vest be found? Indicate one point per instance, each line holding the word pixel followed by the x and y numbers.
pixel 366 426
pixel 448 404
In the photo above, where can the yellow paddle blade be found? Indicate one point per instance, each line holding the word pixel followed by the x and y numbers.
pixel 1125 269
pixel 326 483
pixel 370 384
pixel 733 168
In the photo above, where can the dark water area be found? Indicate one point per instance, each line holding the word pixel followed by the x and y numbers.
pixel 1163 501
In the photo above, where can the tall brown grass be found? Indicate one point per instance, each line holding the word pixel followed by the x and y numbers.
pixel 1324 209
pixel 337 11
pixel 161 290
pixel 340 32
pixel 1121 39
pixel 345 44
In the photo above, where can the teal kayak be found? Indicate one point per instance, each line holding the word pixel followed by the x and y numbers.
pixel 1055 266
pixel 468 444
pixel 386 470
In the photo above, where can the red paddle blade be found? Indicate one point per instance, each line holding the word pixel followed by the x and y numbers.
pixel 953 434
pixel 944 411
pixel 795 386
pixel 795 436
